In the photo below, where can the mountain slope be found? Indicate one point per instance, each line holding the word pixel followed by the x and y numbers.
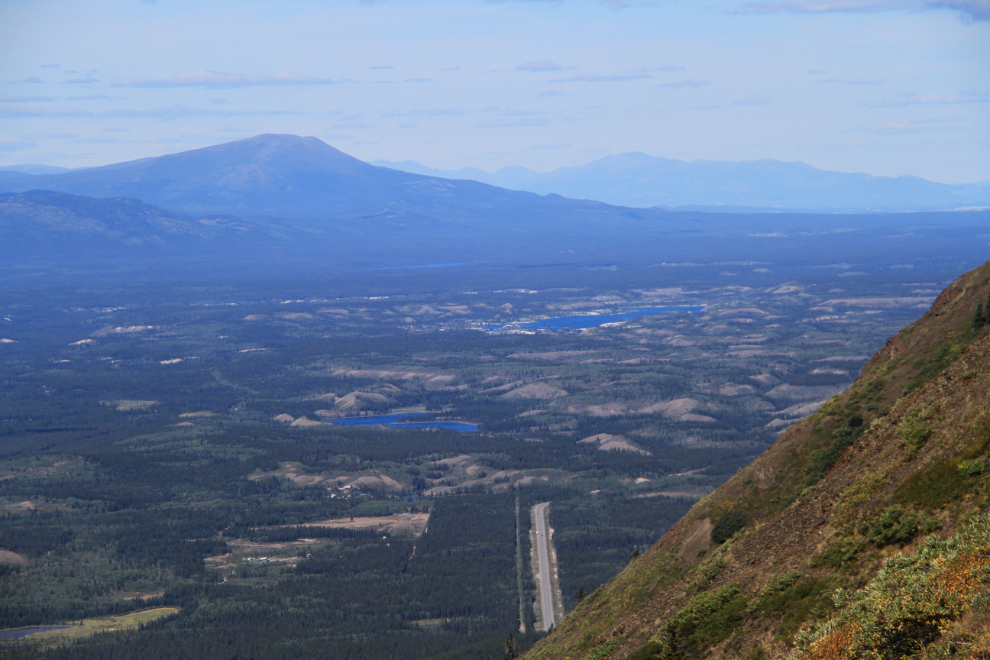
pixel 640 180
pixel 42 222
pixel 898 457
pixel 273 175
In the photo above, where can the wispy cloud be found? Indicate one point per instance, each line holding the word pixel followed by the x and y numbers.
pixel 29 79
pixel 548 147
pixel 614 4
pixel 14 143
pixel 538 66
pixel 515 119
pixel 622 77
pixel 669 68
pixel 91 97
pixel 913 127
pixel 81 81
pixel 349 125
pixel 837 81
pixel 25 110
pixel 971 10
pixel 24 99
pixel 683 84
pixel 427 112
pixel 418 80
pixel 218 80
pixel 49 66
pixel 753 99
pixel 902 99
pixel 21 110
pixel 381 68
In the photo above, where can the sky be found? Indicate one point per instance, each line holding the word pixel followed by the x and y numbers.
pixel 886 87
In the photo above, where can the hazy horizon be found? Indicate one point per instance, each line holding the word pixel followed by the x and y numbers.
pixel 885 87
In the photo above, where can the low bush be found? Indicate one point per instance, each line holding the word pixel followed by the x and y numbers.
pixel 727 525
pixel 896 525
pixel 707 619
pixel 911 602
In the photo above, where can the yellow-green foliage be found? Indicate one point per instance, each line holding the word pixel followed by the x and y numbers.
pixel 780 582
pixel 87 627
pixel 707 571
pixel 849 510
pixel 914 429
pixel 706 620
pixel 911 602
pixel 896 525
pixel 837 555
pixel 601 652
pixel 624 593
pixel 794 598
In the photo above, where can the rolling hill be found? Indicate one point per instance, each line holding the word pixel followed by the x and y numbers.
pixel 282 176
pixel 861 533
pixel 277 203
pixel 640 180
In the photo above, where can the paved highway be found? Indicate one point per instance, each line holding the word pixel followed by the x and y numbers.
pixel 543 554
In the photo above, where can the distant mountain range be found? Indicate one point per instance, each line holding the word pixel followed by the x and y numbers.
pixel 281 176
pixel 639 180
pixel 31 168
pixel 277 202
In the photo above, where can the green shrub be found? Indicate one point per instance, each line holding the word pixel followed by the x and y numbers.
pixel 936 485
pixel 602 651
pixel 836 555
pixel 727 525
pixel 780 582
pixel 799 601
pixel 896 525
pixel 651 651
pixel 971 468
pixel 706 572
pixel 823 459
pixel 706 620
pixel 905 608
pixel 914 429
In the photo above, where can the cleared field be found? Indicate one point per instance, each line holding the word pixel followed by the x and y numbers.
pixel 396 523
pixel 87 627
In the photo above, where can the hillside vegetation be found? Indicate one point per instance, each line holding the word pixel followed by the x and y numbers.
pixel 861 533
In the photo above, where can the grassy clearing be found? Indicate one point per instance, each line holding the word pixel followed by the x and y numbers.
pixel 87 627
pixel 130 404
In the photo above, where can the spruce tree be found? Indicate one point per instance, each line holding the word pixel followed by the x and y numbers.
pixel 511 650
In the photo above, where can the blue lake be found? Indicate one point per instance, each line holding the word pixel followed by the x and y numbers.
pixel 20 633
pixel 580 322
pixel 395 421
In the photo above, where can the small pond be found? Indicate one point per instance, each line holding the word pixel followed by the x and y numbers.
pixel 580 322
pixel 20 633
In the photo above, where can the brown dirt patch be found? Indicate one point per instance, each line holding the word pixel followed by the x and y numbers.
pixel 697 537
pixel 550 355
pixel 305 421
pixel 535 391
pixel 8 557
pixel 413 523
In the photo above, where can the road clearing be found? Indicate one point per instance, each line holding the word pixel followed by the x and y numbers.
pixel 543 582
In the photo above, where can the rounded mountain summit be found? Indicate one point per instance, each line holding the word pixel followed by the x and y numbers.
pixel 271 175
